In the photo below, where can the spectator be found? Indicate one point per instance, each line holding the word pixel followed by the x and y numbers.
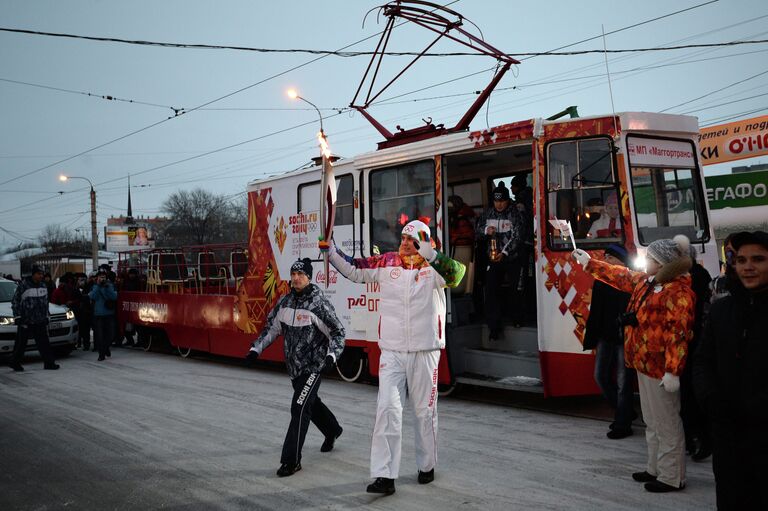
pixel 313 338
pixel 411 335
pixel 694 420
pixel 609 224
pixel 64 294
pixel 729 376
pixel 30 308
pixel 658 326
pixel 49 284
pixel 523 195
pixel 461 219
pixel 721 285
pixel 104 299
pixel 604 335
pixel 502 227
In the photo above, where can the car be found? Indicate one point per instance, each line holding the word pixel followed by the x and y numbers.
pixel 62 328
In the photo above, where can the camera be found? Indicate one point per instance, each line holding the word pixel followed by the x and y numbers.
pixel 628 318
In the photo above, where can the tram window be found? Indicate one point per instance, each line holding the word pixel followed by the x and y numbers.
pixel 581 188
pixel 309 199
pixel 399 195
pixel 666 188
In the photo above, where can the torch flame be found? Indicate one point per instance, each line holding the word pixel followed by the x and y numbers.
pixel 324 147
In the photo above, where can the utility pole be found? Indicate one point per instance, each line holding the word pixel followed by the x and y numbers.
pixel 94 233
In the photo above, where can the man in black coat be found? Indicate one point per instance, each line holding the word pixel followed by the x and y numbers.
pixel 729 376
pixel 604 335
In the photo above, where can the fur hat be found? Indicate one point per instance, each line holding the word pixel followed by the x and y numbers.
pixel 304 266
pixel 667 251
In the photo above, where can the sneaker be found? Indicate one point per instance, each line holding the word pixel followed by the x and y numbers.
pixel 329 441
pixel 643 477
pixel 426 477
pixel 51 367
pixel 382 485
pixel 16 366
pixel 619 433
pixel 288 469
pixel 659 487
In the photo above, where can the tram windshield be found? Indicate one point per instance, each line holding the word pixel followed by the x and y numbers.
pixel 666 189
pixel 581 188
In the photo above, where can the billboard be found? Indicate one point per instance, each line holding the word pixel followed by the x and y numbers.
pixel 122 238
pixel 734 141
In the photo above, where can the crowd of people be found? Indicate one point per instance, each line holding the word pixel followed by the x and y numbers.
pixel 93 300
pixel 698 348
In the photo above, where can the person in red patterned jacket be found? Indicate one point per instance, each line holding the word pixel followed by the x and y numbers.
pixel 658 326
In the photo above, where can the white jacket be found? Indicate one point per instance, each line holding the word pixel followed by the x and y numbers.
pixel 412 300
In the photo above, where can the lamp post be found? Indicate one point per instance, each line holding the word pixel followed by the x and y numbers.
pixel 94 234
pixel 293 94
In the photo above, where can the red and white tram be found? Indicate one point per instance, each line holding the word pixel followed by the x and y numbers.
pixel 576 167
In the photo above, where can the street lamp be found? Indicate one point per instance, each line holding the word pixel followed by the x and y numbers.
pixel 94 234
pixel 293 94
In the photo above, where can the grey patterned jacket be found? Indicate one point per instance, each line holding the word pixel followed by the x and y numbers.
pixel 30 303
pixel 310 328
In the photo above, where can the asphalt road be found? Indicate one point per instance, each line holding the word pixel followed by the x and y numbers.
pixel 154 431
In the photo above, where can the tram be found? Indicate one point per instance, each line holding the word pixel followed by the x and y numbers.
pixel 640 170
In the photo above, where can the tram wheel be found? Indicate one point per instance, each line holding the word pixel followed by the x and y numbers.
pixel 147 342
pixel 184 352
pixel 444 389
pixel 351 366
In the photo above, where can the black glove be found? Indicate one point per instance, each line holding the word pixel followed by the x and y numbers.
pixel 330 362
pixel 251 357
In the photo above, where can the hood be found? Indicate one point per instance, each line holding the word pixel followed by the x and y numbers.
pixel 671 270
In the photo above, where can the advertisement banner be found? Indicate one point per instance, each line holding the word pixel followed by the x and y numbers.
pixel 734 141
pixel 737 190
pixel 122 238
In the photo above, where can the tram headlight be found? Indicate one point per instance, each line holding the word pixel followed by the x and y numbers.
pixel 235 314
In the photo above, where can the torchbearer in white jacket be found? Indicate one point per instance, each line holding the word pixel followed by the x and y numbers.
pixel 411 335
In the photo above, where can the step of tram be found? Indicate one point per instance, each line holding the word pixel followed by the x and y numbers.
pixel 501 364
pixel 512 339
pixel 516 383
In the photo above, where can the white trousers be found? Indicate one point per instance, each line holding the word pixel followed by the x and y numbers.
pixel 664 431
pixel 416 372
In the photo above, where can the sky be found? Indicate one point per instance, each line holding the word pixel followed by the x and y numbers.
pixel 249 129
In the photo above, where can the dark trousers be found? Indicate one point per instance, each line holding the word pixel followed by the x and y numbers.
pixel 740 465
pixel 498 303
pixel 695 423
pixel 609 357
pixel 306 406
pixel 103 333
pixel 40 334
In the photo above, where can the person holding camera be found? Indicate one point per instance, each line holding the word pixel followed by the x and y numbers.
pixel 313 339
pixel 104 298
pixel 658 325
pixel 604 335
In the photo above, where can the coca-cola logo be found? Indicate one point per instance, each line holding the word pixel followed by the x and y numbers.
pixel 395 273
pixel 320 278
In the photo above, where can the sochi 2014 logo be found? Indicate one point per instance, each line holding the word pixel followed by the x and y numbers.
pixel 281 234
pixel 395 273
pixel 408 229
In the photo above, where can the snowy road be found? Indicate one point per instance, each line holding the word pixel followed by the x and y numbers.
pixel 153 431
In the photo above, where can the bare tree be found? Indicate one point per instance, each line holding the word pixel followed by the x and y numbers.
pixel 55 238
pixel 201 217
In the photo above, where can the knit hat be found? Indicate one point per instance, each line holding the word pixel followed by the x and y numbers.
pixel 666 251
pixel 304 266
pixel 750 238
pixel 417 230
pixel 36 269
pixel 500 192
pixel 618 252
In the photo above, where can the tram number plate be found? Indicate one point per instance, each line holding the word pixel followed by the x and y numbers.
pixel 54 326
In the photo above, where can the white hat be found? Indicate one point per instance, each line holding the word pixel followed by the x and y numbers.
pixel 417 230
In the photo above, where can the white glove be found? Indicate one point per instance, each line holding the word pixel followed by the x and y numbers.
pixel 425 249
pixel 670 382
pixel 581 257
